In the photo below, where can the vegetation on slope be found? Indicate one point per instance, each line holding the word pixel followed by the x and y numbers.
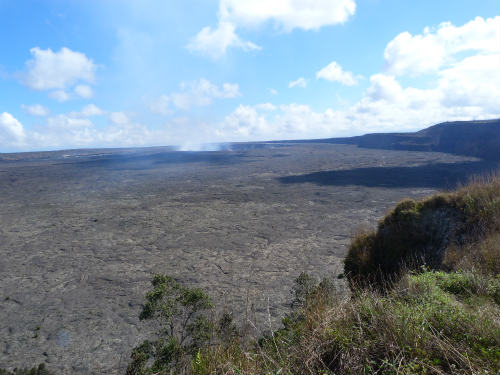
pixel 430 232
pixel 429 323
pixel 425 300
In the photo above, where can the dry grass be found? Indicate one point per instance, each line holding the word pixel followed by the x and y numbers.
pixel 430 323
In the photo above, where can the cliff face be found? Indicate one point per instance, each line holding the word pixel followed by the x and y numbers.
pixel 472 138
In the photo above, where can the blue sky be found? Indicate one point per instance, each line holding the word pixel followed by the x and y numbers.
pixel 139 73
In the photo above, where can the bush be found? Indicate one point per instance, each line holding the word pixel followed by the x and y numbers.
pixel 423 232
pixel 432 322
pixel 182 327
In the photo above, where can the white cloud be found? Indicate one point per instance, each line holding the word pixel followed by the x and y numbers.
pixel 214 42
pixel 11 130
pixel 435 49
pixel 245 122
pixel 130 134
pixel 89 110
pixel 229 90
pixel 291 121
pixel 469 89
pixel 300 82
pixel 202 93
pixel 92 110
pixel 463 85
pixel 119 118
pixel 84 91
pixel 273 91
pixel 35 110
pixel 266 106
pixel 57 70
pixel 384 87
pixel 194 94
pixel 334 72
pixel 60 95
pixel 73 131
pixel 474 81
pixel 285 15
pixel 64 122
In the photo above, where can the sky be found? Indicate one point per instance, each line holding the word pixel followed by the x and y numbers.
pixel 122 73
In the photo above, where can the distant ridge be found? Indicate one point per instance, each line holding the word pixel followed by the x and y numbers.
pixel 479 138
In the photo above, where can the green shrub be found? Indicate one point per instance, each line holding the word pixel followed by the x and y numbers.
pixel 428 323
pixel 422 232
pixel 182 327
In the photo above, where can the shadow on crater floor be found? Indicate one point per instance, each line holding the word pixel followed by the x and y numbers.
pixel 436 175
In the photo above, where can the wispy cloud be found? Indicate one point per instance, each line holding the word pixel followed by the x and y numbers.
pixel 194 94
pixel 300 82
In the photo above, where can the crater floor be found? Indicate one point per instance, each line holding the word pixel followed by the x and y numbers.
pixel 82 234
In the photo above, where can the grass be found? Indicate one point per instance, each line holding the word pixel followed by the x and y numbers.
pixel 429 323
pixel 425 299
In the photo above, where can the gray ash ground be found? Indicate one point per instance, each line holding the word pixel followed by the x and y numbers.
pixel 81 236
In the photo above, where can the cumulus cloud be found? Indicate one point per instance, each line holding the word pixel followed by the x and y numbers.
pixel 285 15
pixel 84 91
pixel 57 70
pixel 74 130
pixel 463 85
pixel 300 82
pixel 214 42
pixel 244 121
pixel 194 94
pixel 64 122
pixel 89 110
pixel 474 81
pixel 119 118
pixel 11 130
pixel 59 95
pixel 468 89
pixel 435 48
pixel 35 110
pixel 333 72
pixel 291 121
pixel 266 106
pixel 92 110
pixel 384 87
